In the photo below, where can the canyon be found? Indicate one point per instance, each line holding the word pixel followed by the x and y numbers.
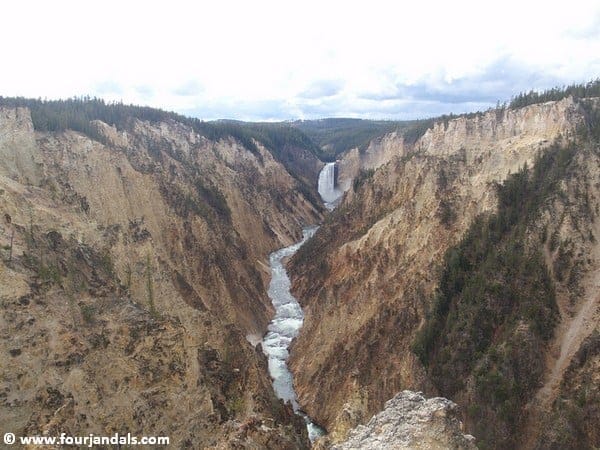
pixel 449 298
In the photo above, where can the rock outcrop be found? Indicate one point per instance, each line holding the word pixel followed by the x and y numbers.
pixel 378 152
pixel 409 421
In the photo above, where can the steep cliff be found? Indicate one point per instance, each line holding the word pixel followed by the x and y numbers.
pixel 133 271
pixel 376 154
pixel 368 279
pixel 491 338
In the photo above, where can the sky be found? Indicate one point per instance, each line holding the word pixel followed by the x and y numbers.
pixel 283 60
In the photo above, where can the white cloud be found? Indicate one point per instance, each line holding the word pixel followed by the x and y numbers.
pixel 229 55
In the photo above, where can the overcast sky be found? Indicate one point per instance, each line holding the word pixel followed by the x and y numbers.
pixel 265 60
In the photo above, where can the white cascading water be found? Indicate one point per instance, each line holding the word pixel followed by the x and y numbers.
pixel 326 186
pixel 283 328
pixel 289 317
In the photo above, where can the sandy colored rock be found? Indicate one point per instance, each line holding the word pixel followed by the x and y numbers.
pixel 139 266
pixel 365 282
pixel 409 421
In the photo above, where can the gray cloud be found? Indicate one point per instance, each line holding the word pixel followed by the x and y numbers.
pixel 189 89
pixel 324 98
pixel 243 110
pixel 398 109
pixel 498 82
pixel 322 88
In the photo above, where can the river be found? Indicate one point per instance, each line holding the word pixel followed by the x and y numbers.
pixel 289 317
pixel 283 328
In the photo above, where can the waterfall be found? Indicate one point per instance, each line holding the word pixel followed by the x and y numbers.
pixel 329 193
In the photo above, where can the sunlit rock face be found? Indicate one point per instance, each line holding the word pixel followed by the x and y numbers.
pixel 138 266
pixel 366 279
pixel 409 421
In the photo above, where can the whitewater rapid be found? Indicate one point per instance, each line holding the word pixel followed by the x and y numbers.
pixel 283 328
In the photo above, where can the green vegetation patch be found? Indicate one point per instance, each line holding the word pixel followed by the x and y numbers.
pixel 336 135
pixel 590 89
pixel 495 306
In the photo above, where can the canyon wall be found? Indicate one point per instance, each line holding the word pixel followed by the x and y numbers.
pixel 377 153
pixel 368 278
pixel 133 275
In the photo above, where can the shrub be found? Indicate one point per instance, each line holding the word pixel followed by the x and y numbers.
pixel 88 313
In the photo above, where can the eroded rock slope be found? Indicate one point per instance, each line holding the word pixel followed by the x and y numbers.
pixel 133 269
pixel 369 278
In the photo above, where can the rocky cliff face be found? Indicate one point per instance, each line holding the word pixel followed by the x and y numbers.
pixel 133 270
pixel 377 153
pixel 411 422
pixel 367 278
pixel 572 420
